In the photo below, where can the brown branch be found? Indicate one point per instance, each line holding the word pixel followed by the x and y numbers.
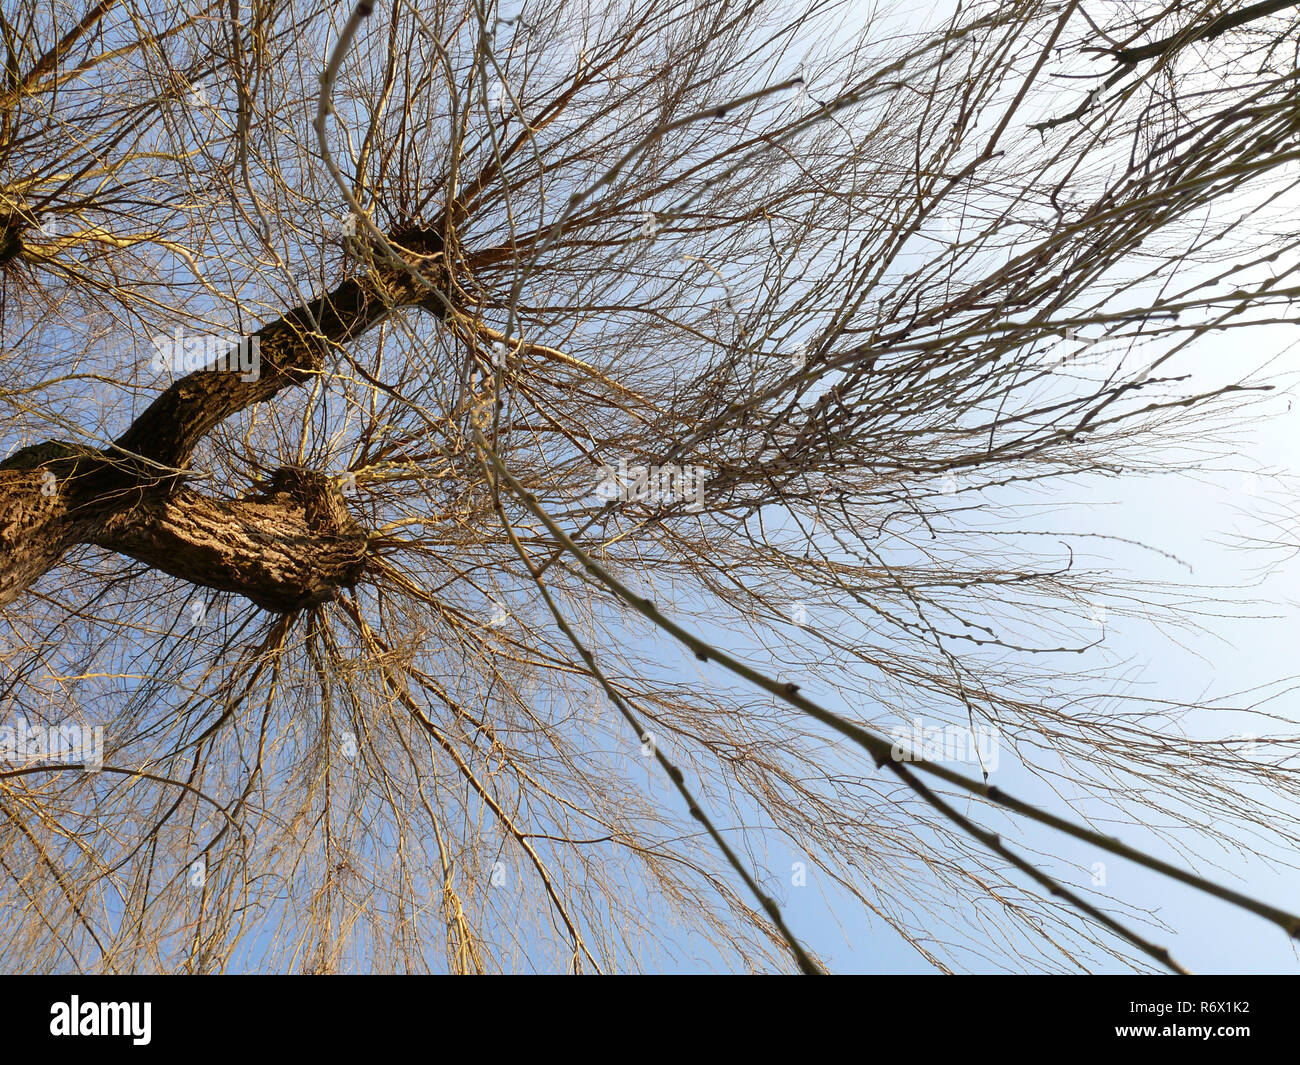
pixel 292 348
pixel 1214 28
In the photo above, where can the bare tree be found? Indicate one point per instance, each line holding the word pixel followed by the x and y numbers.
pixel 391 393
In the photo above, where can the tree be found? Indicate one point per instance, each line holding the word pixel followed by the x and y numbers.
pixel 388 390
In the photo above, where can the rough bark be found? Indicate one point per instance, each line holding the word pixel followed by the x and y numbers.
pixel 292 549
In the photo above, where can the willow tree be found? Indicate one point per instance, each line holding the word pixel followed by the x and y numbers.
pixel 448 445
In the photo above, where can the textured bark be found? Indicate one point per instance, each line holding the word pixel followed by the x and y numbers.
pixel 40 515
pixel 286 552
pixel 290 547
pixel 34 530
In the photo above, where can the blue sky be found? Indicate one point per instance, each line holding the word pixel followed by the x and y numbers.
pixel 1194 513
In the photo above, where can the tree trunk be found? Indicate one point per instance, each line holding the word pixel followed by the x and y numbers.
pixel 293 546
